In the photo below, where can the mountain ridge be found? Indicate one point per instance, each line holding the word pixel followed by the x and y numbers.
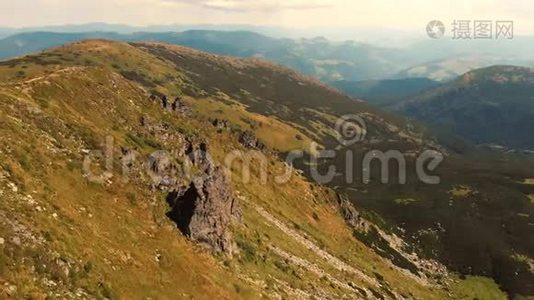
pixel 65 101
pixel 318 57
pixel 488 105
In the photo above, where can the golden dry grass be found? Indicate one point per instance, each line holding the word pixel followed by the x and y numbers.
pixel 120 237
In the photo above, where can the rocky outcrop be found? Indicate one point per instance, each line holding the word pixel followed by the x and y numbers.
pixel 221 125
pixel 163 170
pixel 389 245
pixel 161 135
pixel 350 214
pixel 176 106
pixel 164 102
pixel 180 107
pixel 196 149
pixel 204 210
pixel 249 140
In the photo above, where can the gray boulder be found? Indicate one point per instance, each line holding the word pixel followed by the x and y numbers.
pixel 204 210
pixel 249 140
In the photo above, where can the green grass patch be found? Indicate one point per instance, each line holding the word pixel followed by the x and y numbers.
pixel 474 287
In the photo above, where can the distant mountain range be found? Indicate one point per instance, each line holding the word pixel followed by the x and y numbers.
pixel 317 57
pixel 493 105
pixel 327 60
pixel 450 68
pixel 374 36
pixel 483 109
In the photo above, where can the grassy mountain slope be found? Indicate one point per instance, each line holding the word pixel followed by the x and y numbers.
pixel 384 92
pixel 64 235
pixel 486 106
pixel 435 226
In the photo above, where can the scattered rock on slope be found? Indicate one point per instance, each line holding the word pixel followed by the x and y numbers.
pixel 204 210
pixel 196 150
pixel 180 107
pixel 249 140
pixel 350 214
pixel 221 125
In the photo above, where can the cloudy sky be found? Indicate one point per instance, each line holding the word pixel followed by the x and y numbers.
pixel 409 15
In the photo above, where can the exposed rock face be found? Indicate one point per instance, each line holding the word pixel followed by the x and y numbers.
pixel 388 245
pixel 249 140
pixel 204 210
pixel 197 151
pixel 162 170
pixel 350 214
pixel 180 107
pixel 164 167
pixel 164 102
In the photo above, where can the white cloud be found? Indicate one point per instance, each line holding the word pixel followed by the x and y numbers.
pixel 412 15
pixel 261 5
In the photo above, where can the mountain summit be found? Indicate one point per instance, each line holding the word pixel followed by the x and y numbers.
pixel 487 106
